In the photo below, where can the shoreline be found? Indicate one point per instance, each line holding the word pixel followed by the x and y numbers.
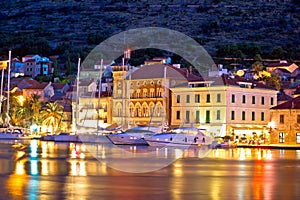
pixel 270 146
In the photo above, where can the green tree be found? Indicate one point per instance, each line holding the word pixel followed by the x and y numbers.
pixel 273 81
pixel 257 67
pixel 51 115
pixel 36 106
pixel 257 57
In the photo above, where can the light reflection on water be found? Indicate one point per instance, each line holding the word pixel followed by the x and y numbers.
pixel 44 170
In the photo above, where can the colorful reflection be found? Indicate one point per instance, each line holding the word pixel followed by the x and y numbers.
pixel 242 154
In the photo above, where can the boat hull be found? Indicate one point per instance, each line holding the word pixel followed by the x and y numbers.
pixel 126 139
pixel 93 138
pixel 178 140
pixel 66 138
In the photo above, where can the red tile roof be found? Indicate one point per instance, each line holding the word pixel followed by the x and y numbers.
pixel 39 86
pixel 157 71
pixel 291 104
pixel 226 79
pixel 30 60
pixel 278 64
pixel 58 85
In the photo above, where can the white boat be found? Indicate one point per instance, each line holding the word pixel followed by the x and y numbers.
pixel 13 134
pixel 66 137
pixel 62 137
pixel 134 136
pixel 180 137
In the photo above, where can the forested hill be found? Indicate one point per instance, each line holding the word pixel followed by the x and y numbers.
pixel 80 23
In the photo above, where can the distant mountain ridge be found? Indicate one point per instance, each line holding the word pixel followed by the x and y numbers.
pixel 212 22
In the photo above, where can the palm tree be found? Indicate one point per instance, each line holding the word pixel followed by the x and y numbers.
pixel 51 115
pixel 36 106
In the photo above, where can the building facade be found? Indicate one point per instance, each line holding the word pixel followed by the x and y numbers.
pixel 285 123
pixel 224 105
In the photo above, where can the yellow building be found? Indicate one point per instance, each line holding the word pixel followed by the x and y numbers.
pixel 224 105
pixel 142 96
pixel 285 123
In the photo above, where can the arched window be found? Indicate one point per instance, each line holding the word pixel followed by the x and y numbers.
pixel 145 93
pixel 131 110
pixel 158 109
pixel 145 110
pixel 138 110
pixel 152 91
pixel 119 110
pixel 151 109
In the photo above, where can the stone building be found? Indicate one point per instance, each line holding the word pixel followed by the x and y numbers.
pixel 285 122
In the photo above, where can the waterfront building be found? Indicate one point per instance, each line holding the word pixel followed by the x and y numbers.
pixel 146 100
pixel 225 105
pixel 285 123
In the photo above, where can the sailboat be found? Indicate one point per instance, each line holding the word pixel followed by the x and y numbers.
pixel 90 134
pixel 10 132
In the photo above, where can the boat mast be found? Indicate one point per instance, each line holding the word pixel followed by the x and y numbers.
pixel 99 93
pixel 8 87
pixel 77 93
pixel 164 99
pixel 1 90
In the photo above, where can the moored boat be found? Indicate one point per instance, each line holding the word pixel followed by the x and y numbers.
pixel 180 137
pixel 62 137
pixel 134 136
pixel 13 134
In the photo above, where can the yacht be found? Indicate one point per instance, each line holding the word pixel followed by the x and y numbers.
pixel 180 137
pixel 61 137
pixel 134 136
pixel 13 134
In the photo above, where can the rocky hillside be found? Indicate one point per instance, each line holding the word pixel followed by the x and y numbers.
pixel 268 23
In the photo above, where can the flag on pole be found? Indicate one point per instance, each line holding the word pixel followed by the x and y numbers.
pixel 4 64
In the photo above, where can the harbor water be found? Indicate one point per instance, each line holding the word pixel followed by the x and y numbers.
pixel 47 170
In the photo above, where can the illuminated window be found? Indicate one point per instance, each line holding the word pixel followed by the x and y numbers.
pixel 281 137
pixel 297 138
